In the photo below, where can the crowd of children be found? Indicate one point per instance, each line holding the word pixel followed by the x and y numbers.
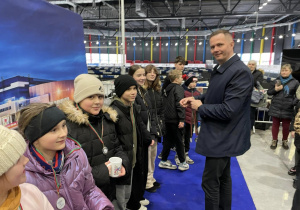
pixel 67 148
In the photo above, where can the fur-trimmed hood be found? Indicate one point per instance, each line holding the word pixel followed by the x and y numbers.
pixel 77 116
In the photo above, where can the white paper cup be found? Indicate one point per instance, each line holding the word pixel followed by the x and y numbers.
pixel 116 165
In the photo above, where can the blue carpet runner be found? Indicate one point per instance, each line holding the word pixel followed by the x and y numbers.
pixel 183 191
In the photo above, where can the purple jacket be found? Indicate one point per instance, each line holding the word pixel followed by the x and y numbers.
pixel 77 183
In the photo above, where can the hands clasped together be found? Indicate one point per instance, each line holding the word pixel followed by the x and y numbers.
pixel 190 102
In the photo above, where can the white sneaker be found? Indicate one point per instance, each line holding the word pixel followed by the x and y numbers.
pixel 144 202
pixel 183 166
pixel 177 161
pixel 143 207
pixel 167 164
pixel 188 159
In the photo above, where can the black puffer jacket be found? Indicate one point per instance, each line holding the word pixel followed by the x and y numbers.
pixel 282 105
pixel 297 135
pixel 257 77
pixel 79 129
pixel 125 132
pixel 146 110
pixel 173 112
pixel 157 108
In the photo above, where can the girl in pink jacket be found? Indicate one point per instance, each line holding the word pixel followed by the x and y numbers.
pixel 13 194
pixel 57 165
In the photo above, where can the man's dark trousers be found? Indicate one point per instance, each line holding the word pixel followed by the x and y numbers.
pixel 216 183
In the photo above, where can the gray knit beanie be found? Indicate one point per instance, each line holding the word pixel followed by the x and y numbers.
pixel 86 85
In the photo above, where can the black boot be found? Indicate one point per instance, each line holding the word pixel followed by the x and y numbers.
pixel 274 144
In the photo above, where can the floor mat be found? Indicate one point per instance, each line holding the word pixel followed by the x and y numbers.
pixel 182 190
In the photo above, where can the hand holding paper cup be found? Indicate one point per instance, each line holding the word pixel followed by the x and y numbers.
pixel 116 165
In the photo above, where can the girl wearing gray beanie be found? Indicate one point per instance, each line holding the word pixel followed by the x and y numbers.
pixel 91 123
pixel 12 175
pixel 58 166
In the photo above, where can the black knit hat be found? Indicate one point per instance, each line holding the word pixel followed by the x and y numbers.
pixel 189 80
pixel 122 83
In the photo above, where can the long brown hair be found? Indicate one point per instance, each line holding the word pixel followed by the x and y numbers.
pixel 131 72
pixel 156 84
pixel 133 69
pixel 29 112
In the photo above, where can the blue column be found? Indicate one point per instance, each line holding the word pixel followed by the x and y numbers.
pixel 293 38
pixel 242 45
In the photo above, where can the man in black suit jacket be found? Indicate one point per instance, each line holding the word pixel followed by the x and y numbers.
pixel 225 111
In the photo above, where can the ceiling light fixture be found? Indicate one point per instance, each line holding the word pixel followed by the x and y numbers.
pixel 280 36
pixel 251 39
pixel 97 42
pixel 167 44
pixel 109 43
pixel 266 38
pixel 146 44
pixel 176 44
pixel 200 43
pixel 187 43
pixel 264 4
pixel 84 41
pixel 134 43
pixel 293 34
pixel 238 40
pixel 260 7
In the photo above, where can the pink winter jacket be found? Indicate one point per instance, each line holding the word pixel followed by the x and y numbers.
pixel 77 184
pixel 32 198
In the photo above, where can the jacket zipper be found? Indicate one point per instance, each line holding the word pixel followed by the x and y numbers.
pixel 156 112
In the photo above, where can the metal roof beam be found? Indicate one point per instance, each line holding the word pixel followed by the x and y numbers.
pixel 235 6
pixel 222 5
pixel 297 4
pixel 283 4
pixel 190 33
pixel 210 16
pixel 67 2
pixel 166 3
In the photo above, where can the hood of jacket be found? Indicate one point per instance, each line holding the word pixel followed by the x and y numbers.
pixel 169 88
pixel 124 108
pixel 78 116
pixel 69 152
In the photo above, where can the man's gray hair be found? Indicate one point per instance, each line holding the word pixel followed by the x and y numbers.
pixel 252 61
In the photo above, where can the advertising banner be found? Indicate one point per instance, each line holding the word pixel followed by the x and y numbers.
pixel 41 50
